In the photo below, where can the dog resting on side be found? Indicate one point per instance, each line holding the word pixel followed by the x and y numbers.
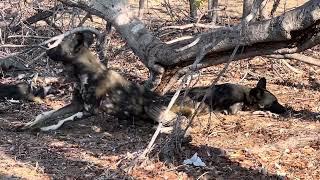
pixel 231 98
pixel 24 91
pixel 99 89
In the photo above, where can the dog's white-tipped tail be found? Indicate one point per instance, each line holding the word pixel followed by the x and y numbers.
pixel 78 115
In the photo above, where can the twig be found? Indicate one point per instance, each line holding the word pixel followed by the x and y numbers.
pixel 211 86
pixel 87 16
pixel 298 57
pixel 153 139
pixel 17 46
pixel 36 58
pixel 202 175
pixel 274 7
pixel 58 39
pixel 293 69
pixel 186 26
pixel 141 9
pixel 25 36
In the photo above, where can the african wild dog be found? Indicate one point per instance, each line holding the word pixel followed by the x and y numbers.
pixel 24 91
pixel 233 97
pixel 98 88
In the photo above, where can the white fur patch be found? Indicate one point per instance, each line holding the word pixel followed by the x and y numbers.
pixel 40 118
pixel 61 122
pixel 87 107
pixel 84 79
pixel 189 45
pixel 137 28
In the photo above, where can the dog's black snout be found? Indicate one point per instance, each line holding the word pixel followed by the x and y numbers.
pixel 55 53
pixel 277 108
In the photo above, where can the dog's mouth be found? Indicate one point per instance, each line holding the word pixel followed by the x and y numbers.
pixel 275 107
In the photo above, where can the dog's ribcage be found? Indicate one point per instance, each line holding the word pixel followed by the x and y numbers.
pixel 123 100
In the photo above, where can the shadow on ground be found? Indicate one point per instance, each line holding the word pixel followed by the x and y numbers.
pixel 93 148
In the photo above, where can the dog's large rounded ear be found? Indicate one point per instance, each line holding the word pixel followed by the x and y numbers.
pixel 262 83
pixel 82 39
pixel 88 39
pixel 256 93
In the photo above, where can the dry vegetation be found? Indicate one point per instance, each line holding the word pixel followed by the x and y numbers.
pixel 242 146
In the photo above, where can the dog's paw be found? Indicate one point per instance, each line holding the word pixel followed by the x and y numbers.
pixel 38 100
pixel 24 127
pixel 266 114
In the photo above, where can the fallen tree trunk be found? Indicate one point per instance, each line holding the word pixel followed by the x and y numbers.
pixel 291 32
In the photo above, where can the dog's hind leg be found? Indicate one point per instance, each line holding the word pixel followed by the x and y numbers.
pixel 235 108
pixel 78 115
pixel 51 115
pixel 158 114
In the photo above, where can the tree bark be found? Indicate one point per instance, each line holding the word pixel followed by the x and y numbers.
pixel 41 15
pixel 212 8
pixel 193 9
pixel 291 32
pixel 247 5
pixel 141 8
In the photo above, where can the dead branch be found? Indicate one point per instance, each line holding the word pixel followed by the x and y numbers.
pixel 159 57
pixel 84 19
pixel 275 7
pixel 290 143
pixel 141 8
pixel 186 26
pixel 57 39
pixel 293 69
pixel 41 15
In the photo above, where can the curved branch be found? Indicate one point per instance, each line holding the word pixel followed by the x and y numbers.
pixel 149 48
pixel 287 32
pixel 41 15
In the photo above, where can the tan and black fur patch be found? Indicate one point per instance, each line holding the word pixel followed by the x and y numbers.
pixel 103 89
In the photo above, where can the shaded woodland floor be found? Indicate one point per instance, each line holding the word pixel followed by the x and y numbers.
pixel 244 146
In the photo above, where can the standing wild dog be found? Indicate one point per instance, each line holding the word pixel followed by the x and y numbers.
pixel 98 88
pixel 233 97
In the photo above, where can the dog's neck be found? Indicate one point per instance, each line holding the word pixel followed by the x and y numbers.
pixel 247 98
pixel 94 73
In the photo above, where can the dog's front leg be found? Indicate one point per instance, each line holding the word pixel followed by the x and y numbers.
pixel 78 115
pixel 51 115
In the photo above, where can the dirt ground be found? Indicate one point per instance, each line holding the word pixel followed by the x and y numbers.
pixel 242 146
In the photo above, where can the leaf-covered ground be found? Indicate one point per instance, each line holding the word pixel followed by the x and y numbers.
pixel 233 147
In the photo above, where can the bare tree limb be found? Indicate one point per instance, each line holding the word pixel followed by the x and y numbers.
pixel 159 56
pixel 41 15
pixel 298 57
pixel 141 8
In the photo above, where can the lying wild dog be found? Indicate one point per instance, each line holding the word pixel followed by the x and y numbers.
pixel 22 91
pixel 233 97
pixel 99 89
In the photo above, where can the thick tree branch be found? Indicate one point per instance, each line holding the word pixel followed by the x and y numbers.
pixel 287 29
pixel 145 45
pixel 41 15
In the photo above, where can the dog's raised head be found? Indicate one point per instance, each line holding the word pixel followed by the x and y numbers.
pixel 74 50
pixel 71 47
pixel 264 99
